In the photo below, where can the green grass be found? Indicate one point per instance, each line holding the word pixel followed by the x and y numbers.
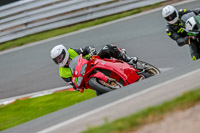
pixel 68 29
pixel 25 110
pixel 149 115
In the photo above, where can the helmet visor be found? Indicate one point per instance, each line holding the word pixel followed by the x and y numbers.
pixel 59 58
pixel 171 16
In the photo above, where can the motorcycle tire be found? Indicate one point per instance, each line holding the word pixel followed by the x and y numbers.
pixel 150 70
pixel 99 87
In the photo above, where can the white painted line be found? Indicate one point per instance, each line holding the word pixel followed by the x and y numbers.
pixel 116 102
pixel 165 69
pixel 39 95
pixel 32 95
pixel 91 28
pixel 7 102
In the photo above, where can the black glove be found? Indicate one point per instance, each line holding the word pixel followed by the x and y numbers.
pixel 91 50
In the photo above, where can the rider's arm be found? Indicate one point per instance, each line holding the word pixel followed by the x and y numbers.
pixel 176 37
pixel 184 11
pixel 84 51
pixel 181 12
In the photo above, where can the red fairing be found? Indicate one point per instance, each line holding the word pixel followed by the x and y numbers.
pixel 77 71
pixel 83 70
pixel 100 76
pixel 132 76
pixel 120 68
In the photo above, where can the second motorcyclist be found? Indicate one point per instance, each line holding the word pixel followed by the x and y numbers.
pixel 175 30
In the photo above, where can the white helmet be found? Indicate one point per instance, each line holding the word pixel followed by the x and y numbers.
pixel 60 55
pixel 170 14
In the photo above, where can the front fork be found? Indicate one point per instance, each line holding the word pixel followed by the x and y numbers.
pixel 189 42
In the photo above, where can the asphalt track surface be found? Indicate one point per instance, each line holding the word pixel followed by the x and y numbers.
pixel 31 69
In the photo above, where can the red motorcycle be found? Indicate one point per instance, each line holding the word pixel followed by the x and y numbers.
pixel 104 75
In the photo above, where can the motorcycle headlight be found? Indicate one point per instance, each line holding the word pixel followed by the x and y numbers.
pixel 79 81
pixel 83 69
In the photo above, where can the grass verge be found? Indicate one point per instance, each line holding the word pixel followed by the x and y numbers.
pixel 149 115
pixel 68 29
pixel 25 110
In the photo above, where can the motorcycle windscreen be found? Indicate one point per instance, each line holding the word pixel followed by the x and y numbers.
pixel 73 64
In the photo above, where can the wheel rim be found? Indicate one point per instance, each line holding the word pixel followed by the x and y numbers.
pixel 150 68
pixel 153 71
pixel 113 85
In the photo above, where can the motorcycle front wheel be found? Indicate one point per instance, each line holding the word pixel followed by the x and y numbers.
pixel 102 87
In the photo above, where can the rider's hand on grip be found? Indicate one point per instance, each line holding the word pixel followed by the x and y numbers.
pixel 91 50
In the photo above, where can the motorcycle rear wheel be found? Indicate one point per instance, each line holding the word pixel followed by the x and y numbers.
pixel 148 70
pixel 102 87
